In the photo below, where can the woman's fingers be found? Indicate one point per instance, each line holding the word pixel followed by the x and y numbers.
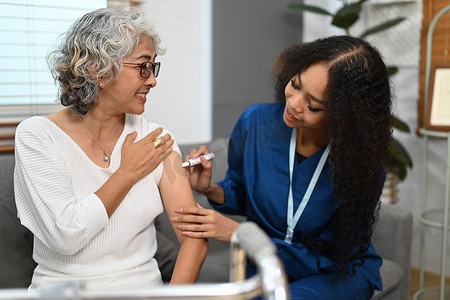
pixel 161 142
pixel 162 146
pixel 129 139
pixel 166 148
pixel 143 156
pixel 154 134
pixel 156 141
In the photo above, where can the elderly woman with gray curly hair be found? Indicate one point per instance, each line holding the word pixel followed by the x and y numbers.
pixel 91 178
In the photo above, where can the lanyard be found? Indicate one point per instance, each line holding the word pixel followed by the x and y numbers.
pixel 292 219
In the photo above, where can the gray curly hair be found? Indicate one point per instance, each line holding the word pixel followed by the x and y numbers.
pixel 94 47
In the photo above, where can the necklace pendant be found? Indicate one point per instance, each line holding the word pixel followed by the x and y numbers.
pixel 105 151
pixel 106 158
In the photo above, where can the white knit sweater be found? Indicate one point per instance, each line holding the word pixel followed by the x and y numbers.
pixel 54 185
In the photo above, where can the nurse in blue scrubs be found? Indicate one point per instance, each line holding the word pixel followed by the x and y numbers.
pixel 309 170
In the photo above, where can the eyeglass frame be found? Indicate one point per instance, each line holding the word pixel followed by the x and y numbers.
pixel 155 67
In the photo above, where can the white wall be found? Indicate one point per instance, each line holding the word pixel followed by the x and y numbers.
pixel 182 98
pixel 248 35
pixel 406 88
pixel 243 52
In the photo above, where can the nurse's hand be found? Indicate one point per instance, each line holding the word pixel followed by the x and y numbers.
pixel 200 175
pixel 199 222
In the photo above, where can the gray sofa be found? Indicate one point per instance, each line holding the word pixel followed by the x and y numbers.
pixel 392 237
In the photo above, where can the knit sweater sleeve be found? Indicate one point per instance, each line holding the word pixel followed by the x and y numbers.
pixel 45 198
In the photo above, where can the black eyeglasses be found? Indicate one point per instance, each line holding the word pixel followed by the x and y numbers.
pixel 147 68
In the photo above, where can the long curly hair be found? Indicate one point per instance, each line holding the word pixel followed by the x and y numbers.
pixel 358 116
pixel 93 48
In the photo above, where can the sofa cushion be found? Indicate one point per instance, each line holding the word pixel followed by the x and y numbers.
pixel 16 243
pixel 391 275
pixel 7 180
pixel 216 267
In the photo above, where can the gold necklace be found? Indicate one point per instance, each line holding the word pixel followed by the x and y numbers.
pixel 105 150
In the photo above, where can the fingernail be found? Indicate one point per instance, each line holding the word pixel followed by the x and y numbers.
pixel 174 219
pixel 179 210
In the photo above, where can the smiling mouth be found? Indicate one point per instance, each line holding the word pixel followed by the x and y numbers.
pixel 291 115
pixel 141 95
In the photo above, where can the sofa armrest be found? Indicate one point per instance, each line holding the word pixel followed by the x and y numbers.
pixel 392 239
pixel 16 244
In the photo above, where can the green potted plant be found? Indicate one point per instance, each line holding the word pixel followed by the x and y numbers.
pixel 345 17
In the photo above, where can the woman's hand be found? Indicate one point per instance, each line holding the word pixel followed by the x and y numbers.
pixel 142 157
pixel 199 222
pixel 138 160
pixel 200 175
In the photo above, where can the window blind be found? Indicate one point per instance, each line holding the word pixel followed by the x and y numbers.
pixel 29 29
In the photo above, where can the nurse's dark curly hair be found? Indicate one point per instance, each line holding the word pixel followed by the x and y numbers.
pixel 358 116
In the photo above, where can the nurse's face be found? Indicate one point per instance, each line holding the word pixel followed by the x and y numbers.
pixel 305 103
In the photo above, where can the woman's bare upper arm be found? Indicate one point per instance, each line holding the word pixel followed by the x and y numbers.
pixel 174 186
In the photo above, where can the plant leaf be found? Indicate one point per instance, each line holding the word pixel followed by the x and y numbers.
pixel 399 124
pixel 401 172
pixel 383 26
pixel 310 8
pixel 392 70
pixel 399 153
pixel 399 160
pixel 347 15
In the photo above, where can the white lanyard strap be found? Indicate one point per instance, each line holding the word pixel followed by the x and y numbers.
pixel 292 219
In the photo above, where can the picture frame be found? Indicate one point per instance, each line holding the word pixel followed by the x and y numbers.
pixel 438 108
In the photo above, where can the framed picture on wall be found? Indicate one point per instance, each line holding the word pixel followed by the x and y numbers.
pixel 438 111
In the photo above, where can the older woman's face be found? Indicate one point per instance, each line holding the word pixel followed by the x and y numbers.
pixel 129 93
pixel 305 104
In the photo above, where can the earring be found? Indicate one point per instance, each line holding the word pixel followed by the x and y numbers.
pixel 100 84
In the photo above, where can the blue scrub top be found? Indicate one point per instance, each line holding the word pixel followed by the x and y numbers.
pixel 257 185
